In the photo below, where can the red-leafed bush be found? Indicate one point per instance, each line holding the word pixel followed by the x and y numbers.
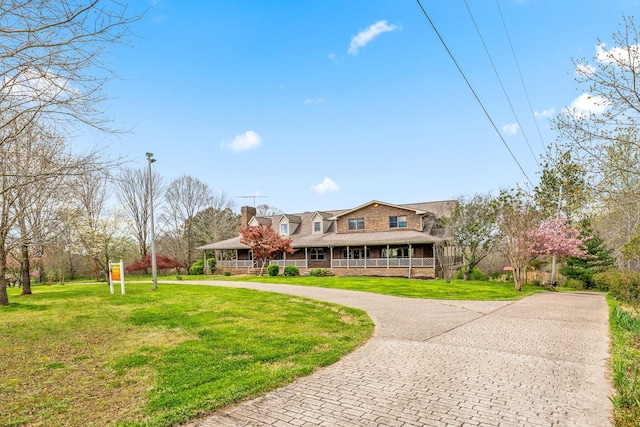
pixel 162 263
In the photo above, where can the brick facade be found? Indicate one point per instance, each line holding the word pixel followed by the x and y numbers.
pixel 376 218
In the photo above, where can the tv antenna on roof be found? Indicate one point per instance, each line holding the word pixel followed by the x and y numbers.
pixel 252 197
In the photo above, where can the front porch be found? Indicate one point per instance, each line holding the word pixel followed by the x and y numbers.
pixel 382 260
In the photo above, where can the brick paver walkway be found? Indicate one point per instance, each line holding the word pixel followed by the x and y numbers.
pixel 541 361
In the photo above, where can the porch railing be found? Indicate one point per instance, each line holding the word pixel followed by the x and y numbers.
pixel 233 263
pixel 340 263
pixel 383 262
pixel 284 263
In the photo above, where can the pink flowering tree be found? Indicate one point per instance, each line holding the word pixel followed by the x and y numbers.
pixel 556 237
pixel 265 243
pixel 524 236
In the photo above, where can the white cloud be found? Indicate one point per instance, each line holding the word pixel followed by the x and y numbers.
pixel 617 55
pixel 34 85
pixel 244 142
pixel 314 100
pixel 365 36
pixel 585 70
pixel 586 104
pixel 510 129
pixel 326 186
pixel 544 113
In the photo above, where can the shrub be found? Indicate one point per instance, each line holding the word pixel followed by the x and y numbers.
pixel 227 273
pixel 197 267
pixel 291 270
pixel 318 272
pixel 212 264
pixel 476 274
pixel 178 277
pixel 575 284
pixel 624 285
pixel 273 269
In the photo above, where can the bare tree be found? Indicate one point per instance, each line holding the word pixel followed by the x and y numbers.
pixel 52 71
pixel 133 193
pixel 605 138
pixel 33 164
pixel 445 253
pixel 266 210
pixel 518 218
pixel 184 198
pixel 102 232
pixel 53 61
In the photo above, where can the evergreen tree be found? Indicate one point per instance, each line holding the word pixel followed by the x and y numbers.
pixel 599 258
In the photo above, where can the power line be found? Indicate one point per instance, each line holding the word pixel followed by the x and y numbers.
pixel 472 90
pixel 504 90
pixel 524 87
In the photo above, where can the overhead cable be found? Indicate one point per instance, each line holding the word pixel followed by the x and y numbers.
pixel 444 44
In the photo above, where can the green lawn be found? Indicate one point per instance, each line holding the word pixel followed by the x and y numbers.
pixel 412 288
pixel 75 355
pixel 625 364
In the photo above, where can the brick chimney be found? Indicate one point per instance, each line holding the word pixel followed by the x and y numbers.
pixel 247 212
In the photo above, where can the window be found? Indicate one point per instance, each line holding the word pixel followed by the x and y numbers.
pixel 398 221
pixel 402 252
pixel 356 224
pixel 317 227
pixel 317 254
pixel 355 254
pixel 284 229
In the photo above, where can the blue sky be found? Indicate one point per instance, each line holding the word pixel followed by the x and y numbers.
pixel 328 104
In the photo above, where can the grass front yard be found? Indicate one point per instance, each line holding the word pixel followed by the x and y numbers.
pixel 75 355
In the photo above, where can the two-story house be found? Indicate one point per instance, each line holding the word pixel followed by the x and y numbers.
pixel 374 239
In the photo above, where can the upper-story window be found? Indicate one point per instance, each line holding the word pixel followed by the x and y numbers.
pixel 284 229
pixel 317 227
pixel 356 224
pixel 398 221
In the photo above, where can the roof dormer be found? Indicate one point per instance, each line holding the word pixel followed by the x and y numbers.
pixel 288 224
pixel 256 221
pixel 320 223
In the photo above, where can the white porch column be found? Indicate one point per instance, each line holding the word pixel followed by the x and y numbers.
pixel 284 258
pixel 387 256
pixel 365 256
pixel 306 257
pixel 236 258
pixel 331 256
pixel 347 256
pixel 410 261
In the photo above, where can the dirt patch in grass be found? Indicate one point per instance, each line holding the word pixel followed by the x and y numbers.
pixel 77 383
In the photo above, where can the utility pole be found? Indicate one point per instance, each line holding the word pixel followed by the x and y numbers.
pixel 554 258
pixel 154 271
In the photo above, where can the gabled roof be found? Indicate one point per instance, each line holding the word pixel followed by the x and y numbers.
pixel 376 202
pixel 291 218
pixel 324 215
pixel 261 220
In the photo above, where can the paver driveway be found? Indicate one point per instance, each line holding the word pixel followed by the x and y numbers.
pixel 540 361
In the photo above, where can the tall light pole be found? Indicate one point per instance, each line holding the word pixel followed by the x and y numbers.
pixel 154 271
